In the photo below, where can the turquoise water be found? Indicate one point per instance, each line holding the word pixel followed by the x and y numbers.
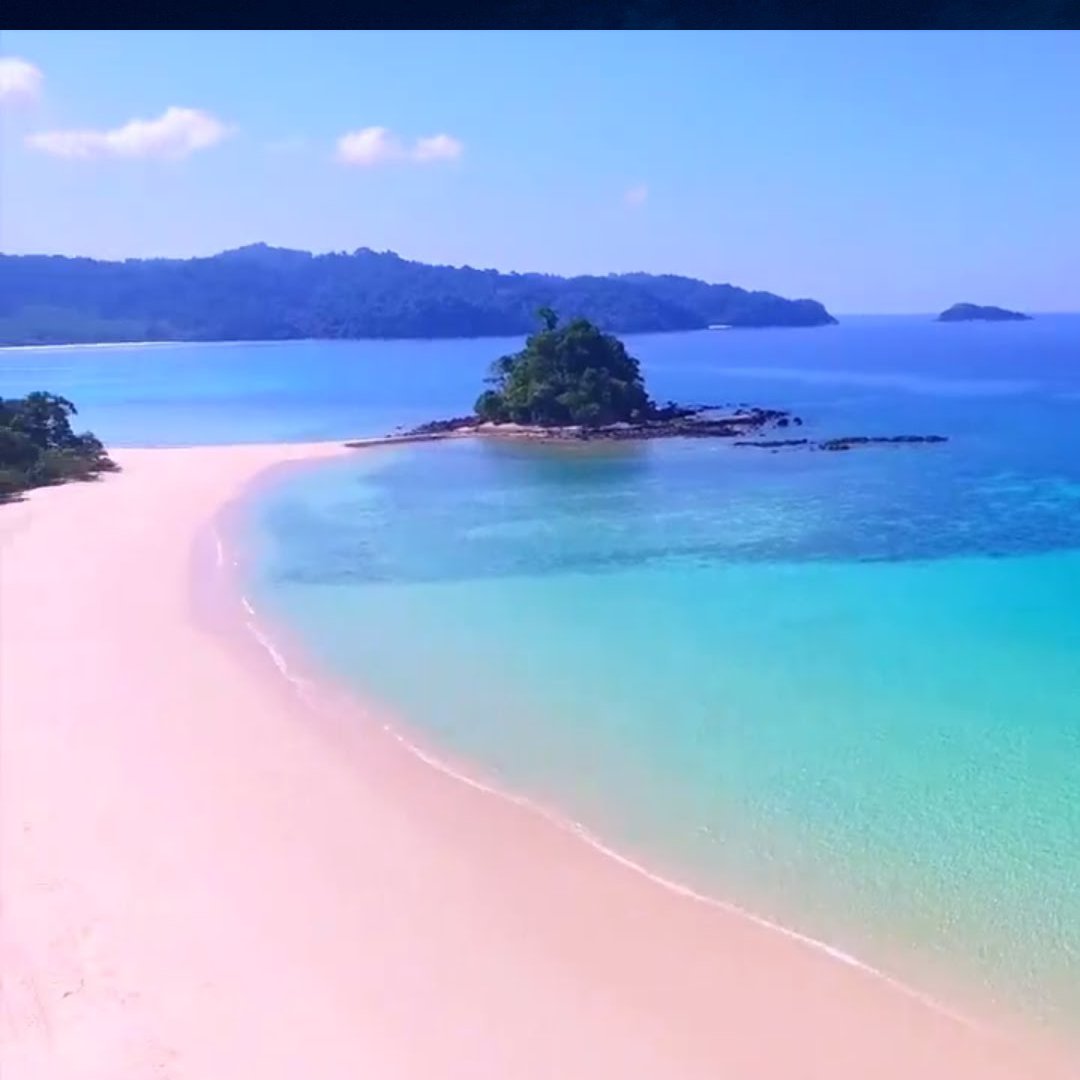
pixel 883 753
pixel 842 690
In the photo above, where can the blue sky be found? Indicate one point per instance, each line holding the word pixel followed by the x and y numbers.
pixel 875 172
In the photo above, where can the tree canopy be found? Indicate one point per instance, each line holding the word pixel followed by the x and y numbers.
pixel 39 447
pixel 570 374
pixel 260 293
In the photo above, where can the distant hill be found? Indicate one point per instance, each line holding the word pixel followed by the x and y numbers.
pixel 973 312
pixel 265 293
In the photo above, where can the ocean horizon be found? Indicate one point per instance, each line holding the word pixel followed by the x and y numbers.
pixel 836 690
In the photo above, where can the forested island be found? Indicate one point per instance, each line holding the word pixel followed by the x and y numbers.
pixel 573 382
pixel 38 446
pixel 261 293
pixel 981 313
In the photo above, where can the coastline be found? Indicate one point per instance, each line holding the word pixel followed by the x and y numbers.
pixel 255 884
pixel 89 345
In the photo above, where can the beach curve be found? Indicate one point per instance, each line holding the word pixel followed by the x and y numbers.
pixel 204 877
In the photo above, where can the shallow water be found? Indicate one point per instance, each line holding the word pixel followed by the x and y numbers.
pixel 842 690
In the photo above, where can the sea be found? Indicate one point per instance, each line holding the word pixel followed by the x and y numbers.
pixel 840 690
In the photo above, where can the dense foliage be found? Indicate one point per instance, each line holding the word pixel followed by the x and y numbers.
pixel 38 446
pixel 264 293
pixel 571 374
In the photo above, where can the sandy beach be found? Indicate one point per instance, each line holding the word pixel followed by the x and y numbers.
pixel 209 876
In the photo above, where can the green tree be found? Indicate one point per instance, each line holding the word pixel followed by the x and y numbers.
pixel 38 445
pixel 45 419
pixel 570 374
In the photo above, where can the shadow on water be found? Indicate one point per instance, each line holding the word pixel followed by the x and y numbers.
pixel 583 464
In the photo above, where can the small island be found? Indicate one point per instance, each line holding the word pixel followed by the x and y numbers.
pixel 38 446
pixel 977 313
pixel 573 383
pixel 572 375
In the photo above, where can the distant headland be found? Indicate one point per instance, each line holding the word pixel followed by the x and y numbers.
pixel 261 293
pixel 977 313
pixel 572 382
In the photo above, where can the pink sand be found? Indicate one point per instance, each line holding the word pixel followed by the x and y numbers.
pixel 204 878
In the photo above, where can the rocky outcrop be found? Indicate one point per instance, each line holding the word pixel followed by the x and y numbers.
pixel 849 442
pixel 666 422
pixel 670 421
pixel 846 443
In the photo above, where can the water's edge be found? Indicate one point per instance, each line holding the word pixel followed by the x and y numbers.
pixel 222 560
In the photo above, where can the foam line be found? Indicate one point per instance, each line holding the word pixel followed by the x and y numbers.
pixel 302 687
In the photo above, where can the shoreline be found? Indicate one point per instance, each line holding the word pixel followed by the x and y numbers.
pixel 538 958
pixel 65 345
pixel 459 337
pixel 284 660
pixel 841 317
pixel 304 675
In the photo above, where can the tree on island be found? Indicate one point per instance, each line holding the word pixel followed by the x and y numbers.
pixel 570 374
pixel 39 447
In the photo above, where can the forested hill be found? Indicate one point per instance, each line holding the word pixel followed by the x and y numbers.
pixel 265 293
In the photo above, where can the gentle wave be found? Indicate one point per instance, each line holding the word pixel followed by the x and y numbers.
pixel 303 688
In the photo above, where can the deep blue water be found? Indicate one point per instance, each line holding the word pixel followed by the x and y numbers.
pixel 841 689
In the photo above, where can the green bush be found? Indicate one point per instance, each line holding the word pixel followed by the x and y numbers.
pixel 571 374
pixel 38 446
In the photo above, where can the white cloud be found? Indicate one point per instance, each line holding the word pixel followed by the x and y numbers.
pixel 176 133
pixel 437 148
pixel 637 195
pixel 369 146
pixel 20 80
pixel 372 146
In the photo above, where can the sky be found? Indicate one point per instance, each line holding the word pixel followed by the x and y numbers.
pixel 876 172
